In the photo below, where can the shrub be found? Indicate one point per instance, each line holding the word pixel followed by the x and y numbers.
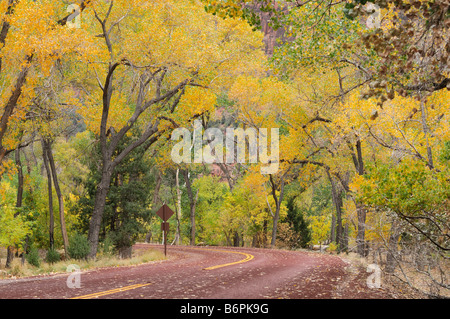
pixel 108 246
pixel 52 256
pixel 332 247
pixel 78 247
pixel 287 237
pixel 33 257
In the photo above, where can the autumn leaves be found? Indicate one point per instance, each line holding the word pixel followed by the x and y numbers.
pixel 353 109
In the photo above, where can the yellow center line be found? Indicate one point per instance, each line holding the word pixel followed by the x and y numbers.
pixel 248 257
pixel 110 292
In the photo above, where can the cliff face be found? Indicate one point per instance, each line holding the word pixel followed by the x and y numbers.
pixel 272 38
pixel 270 35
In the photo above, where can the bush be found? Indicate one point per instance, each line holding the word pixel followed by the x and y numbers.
pixel 52 256
pixel 78 247
pixel 33 257
pixel 287 237
pixel 107 246
pixel 332 247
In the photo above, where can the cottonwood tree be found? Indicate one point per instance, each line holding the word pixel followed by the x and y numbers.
pixel 259 102
pixel 28 52
pixel 151 58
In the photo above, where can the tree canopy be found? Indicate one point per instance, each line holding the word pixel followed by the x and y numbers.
pixel 350 105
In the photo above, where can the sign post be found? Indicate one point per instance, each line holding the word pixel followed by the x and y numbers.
pixel 165 213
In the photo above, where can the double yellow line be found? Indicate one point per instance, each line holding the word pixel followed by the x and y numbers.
pixel 110 292
pixel 248 257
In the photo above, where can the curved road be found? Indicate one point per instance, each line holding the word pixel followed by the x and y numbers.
pixel 209 272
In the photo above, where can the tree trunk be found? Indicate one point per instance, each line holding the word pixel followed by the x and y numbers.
pixel 265 224
pixel 255 240
pixel 333 229
pixel 11 104
pixel 50 195
pixel 60 198
pixel 192 203
pixel 227 173
pixel 19 200
pixel 278 202
pixel 157 188
pixel 391 258
pixel 274 228
pixel 361 246
pixel 99 207
pixel 125 252
pixel 5 28
pixel 192 218
pixel 227 236
pixel 426 133
pixel 148 237
pixel 178 215
pixel 9 256
pixel 338 204
pixel 236 239
pixel 361 211
pixel 155 202
pixel 345 238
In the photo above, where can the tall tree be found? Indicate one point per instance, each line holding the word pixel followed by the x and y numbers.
pixel 51 229
pixel 192 204
pixel 178 207
pixel 27 50
pixel 48 156
pixel 154 83
pixel 19 201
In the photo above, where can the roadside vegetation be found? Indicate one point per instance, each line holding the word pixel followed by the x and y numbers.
pixel 41 266
pixel 358 91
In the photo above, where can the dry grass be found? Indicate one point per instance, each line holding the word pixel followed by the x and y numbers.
pixel 406 281
pixel 421 281
pixel 102 261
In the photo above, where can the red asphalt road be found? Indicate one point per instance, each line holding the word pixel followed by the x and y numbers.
pixel 269 274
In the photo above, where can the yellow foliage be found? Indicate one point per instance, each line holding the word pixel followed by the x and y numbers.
pixel 208 50
pixel 261 100
pixel 194 102
pixel 320 227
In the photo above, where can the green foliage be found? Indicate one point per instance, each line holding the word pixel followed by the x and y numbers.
pixel 412 191
pixel 299 224
pixel 408 188
pixel 107 246
pixel 320 228
pixel 33 257
pixel 78 246
pixel 211 196
pixel 319 36
pixel 14 224
pixel 445 153
pixel 349 11
pixel 52 256
pixel 12 229
pixel 127 207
